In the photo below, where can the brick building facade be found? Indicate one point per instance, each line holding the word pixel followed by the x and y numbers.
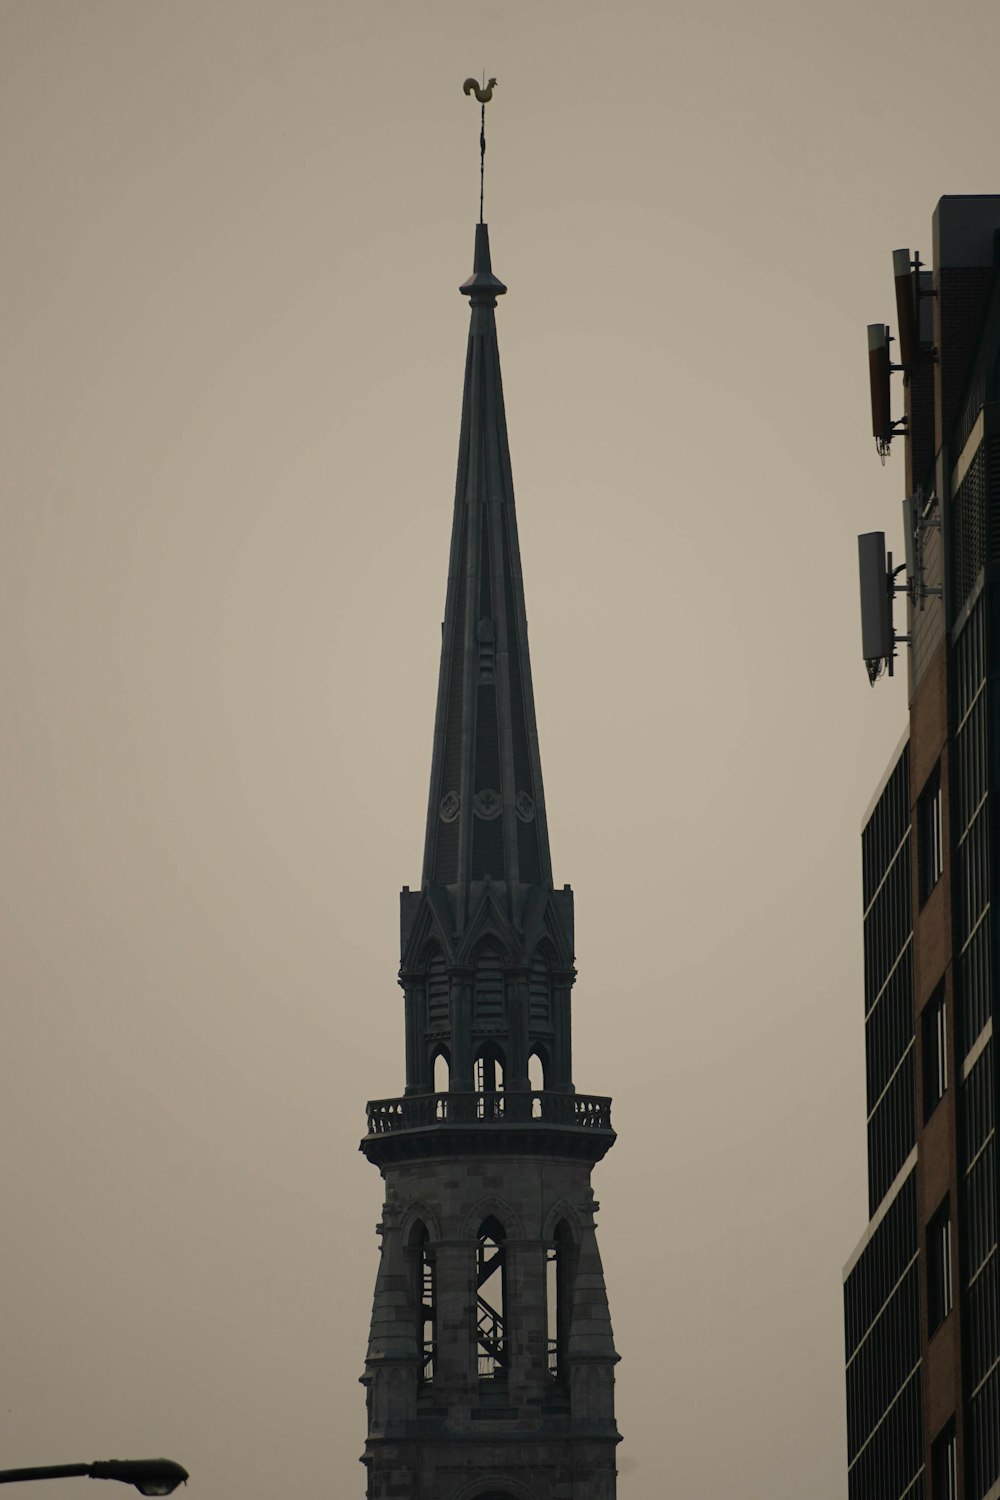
pixel 922 1290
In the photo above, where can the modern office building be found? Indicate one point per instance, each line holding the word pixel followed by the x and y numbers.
pixel 490 1367
pixel 922 1289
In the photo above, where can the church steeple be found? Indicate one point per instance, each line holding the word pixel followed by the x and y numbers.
pixel 490 1366
pixel 486 817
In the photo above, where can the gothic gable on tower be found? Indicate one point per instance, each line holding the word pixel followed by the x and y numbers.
pixel 548 925
pixel 489 927
pixel 426 922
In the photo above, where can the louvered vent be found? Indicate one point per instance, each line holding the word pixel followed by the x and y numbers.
pixel 437 996
pixel 489 990
pixel 539 1010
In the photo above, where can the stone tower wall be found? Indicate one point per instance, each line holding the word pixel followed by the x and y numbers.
pixel 445 1438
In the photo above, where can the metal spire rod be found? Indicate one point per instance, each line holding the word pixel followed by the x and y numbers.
pixel 484 94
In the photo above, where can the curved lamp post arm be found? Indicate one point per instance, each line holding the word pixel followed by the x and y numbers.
pixel 151 1476
pixel 50 1471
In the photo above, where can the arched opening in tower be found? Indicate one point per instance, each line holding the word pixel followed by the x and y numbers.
pixel 536 1081
pixel 442 1077
pixel 488 1081
pixel 491 1300
pixel 558 1297
pixel 422 1280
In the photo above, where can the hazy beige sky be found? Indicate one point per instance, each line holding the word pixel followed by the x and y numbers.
pixel 231 364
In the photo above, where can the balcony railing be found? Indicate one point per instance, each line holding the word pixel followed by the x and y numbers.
pixel 418 1111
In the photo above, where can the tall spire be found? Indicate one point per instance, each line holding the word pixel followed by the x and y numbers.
pixel 490 1300
pixel 486 816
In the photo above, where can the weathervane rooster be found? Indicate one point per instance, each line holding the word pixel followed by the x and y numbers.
pixel 484 95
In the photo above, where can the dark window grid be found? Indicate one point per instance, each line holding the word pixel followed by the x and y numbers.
pixel 915 1489
pixel 977 1111
pixel 886 829
pixel 902 958
pixel 980 1218
pixel 891 1132
pixel 975 985
pixel 992 446
pixel 892 1456
pixel 881 1264
pixel 970 661
pixel 971 764
pixel 892 1078
pixel 875 878
pixel 982 1324
pixel 889 1028
pixel 973 874
pixel 883 1326
pixel 884 1362
pixel 887 930
pixel 983 1440
pixel 899 855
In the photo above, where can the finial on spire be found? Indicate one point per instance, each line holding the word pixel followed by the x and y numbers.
pixel 482 288
pixel 484 94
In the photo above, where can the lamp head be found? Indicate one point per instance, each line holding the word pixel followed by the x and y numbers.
pixel 150 1476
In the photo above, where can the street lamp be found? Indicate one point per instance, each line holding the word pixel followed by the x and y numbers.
pixel 151 1476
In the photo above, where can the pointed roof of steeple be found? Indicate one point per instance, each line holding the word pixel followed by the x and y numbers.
pixel 486 816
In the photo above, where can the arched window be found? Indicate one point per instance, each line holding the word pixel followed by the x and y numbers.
pixel 559 1296
pixel 491 1300
pixel 442 1071
pixel 536 1072
pixel 423 1293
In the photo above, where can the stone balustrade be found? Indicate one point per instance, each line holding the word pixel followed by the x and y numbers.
pixel 420 1111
